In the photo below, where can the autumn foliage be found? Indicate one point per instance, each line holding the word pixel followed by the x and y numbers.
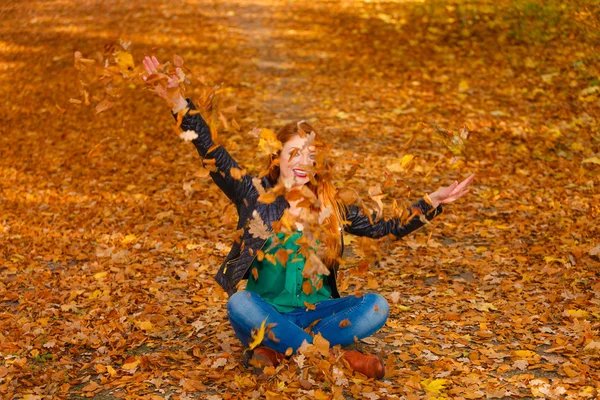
pixel 111 230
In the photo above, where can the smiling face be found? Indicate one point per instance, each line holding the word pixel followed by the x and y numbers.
pixel 295 162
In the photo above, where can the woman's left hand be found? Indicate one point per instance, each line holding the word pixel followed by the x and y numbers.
pixel 450 193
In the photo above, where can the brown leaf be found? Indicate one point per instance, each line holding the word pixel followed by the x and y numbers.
pixel 267 198
pixel 307 287
pixel 257 227
pixel 345 323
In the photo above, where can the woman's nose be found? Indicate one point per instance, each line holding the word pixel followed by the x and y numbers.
pixel 306 159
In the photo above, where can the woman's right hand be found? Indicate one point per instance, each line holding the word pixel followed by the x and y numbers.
pixel 165 86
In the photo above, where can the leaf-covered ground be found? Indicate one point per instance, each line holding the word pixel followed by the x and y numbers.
pixel 110 233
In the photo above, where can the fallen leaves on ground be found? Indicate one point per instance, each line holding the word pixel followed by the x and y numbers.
pixel 111 230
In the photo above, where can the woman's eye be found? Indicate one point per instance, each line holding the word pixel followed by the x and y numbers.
pixel 312 156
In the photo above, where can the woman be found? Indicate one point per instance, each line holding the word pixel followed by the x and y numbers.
pixel 292 287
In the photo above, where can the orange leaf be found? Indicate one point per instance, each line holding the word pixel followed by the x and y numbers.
pixel 307 287
pixel 345 323
pixel 267 198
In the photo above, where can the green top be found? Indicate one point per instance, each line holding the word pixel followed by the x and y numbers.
pixel 281 285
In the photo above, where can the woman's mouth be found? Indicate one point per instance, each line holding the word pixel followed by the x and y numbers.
pixel 300 173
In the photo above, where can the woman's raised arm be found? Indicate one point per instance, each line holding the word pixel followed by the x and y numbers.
pixel 429 207
pixel 170 91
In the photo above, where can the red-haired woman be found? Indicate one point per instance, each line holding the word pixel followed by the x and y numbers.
pixel 278 289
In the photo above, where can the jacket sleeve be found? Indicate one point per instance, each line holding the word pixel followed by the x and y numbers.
pixel 360 225
pixel 234 189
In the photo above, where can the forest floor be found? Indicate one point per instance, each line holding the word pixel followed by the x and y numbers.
pixel 111 233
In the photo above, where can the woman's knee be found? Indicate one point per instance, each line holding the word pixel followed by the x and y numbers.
pixel 237 301
pixel 380 305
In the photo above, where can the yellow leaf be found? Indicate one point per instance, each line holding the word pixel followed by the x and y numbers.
pixel 576 146
pixel 591 160
pixel 268 142
pixel 131 367
pixel 244 381
pixel 577 313
pixel 550 259
pixel 129 239
pixel 434 386
pixel 257 335
pixel 342 115
pixel 124 61
pixel 348 240
pixel 111 370
pixel 401 164
pixel 100 275
pixel 525 353
pixel 146 325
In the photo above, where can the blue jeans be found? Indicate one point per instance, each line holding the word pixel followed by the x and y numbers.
pixel 366 315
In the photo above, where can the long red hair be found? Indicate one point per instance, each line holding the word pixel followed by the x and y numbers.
pixel 320 185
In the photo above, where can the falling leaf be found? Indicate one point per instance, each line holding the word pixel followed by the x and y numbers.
pixel 237 173
pixel 104 105
pixel 258 335
pixel 255 132
pixel 177 60
pixel 401 164
pixel 307 287
pixel 268 142
pixel 257 227
pixel 267 198
pixel 345 323
pixel 125 62
pixel 188 136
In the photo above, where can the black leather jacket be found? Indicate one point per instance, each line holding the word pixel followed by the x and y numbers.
pixel 244 195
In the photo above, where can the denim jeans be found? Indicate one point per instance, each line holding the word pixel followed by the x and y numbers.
pixel 365 314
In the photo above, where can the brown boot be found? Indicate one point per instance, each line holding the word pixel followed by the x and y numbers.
pixel 367 364
pixel 262 357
